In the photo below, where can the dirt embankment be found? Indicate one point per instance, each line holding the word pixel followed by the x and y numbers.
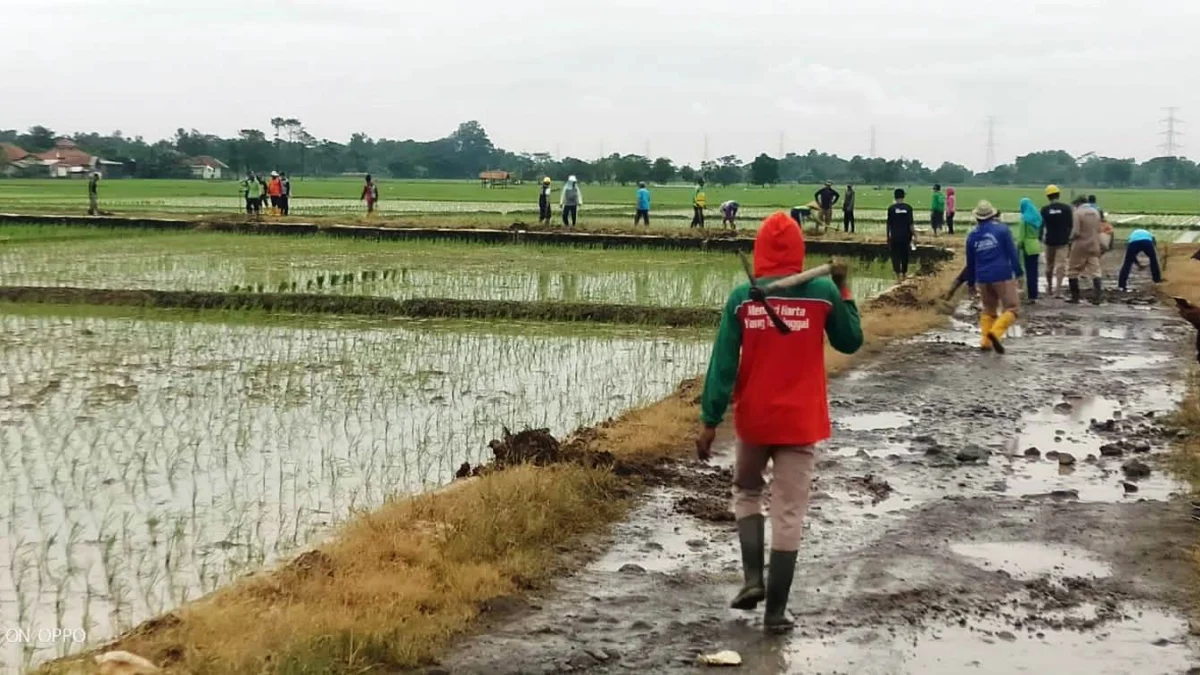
pixel 311 303
pixel 826 244
pixel 394 586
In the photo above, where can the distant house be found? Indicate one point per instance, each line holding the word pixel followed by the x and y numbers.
pixel 15 161
pixel 68 161
pixel 494 178
pixel 207 168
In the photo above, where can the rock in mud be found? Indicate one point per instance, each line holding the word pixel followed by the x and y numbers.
pixel 1063 408
pixel 1033 452
pixel 1129 487
pixel 878 489
pixel 971 453
pixel 1053 454
pixel 1066 459
pixel 1107 425
pixel 632 569
pixel 1111 450
pixel 1141 448
pixel 1135 470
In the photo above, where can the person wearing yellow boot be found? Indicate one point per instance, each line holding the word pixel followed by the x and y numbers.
pixel 993 266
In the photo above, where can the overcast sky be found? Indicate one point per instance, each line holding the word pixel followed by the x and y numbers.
pixel 581 78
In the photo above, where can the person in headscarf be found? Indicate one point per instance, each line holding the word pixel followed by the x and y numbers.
pixel 951 202
pixel 570 200
pixel 1028 235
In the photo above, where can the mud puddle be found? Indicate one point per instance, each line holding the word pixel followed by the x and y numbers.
pixel 934 544
pixel 1157 642
pixel 1030 560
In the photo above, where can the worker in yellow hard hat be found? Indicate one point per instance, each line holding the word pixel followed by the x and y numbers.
pixel 544 202
pixel 1058 218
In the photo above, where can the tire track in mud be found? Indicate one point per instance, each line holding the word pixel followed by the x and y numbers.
pixel 984 558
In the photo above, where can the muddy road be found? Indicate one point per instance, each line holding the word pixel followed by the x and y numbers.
pixel 973 514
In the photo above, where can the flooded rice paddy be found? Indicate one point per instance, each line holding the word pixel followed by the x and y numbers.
pixel 227 262
pixel 146 461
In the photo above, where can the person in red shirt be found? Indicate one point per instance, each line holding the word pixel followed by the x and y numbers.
pixel 275 191
pixel 776 383
pixel 370 194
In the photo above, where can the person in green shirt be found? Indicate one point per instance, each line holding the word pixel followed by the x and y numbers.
pixel 937 209
pixel 1027 235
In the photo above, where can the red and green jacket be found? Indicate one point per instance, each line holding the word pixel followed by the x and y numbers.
pixel 776 382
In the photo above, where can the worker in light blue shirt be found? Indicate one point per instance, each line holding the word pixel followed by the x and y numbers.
pixel 643 205
pixel 1140 242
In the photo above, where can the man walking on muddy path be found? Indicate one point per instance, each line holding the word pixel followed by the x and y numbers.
pixel 1058 219
pixel 1084 260
pixel 776 382
pixel 993 266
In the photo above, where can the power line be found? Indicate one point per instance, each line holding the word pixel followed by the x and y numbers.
pixel 990 162
pixel 1171 146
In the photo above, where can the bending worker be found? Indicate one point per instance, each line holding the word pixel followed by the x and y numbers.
pixel 777 384
pixel 993 266
pixel 1140 242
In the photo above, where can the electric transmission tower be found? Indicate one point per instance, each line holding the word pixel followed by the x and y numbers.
pixel 1171 146
pixel 990 162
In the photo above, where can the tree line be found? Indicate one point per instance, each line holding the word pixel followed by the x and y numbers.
pixel 467 151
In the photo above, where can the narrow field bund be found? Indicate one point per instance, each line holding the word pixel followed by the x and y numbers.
pixel 711 240
pixel 357 305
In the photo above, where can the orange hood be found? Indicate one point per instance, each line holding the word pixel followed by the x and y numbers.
pixel 779 247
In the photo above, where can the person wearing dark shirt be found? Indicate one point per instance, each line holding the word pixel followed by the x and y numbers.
pixel 94 194
pixel 848 210
pixel 900 234
pixel 1057 220
pixel 826 197
pixel 286 196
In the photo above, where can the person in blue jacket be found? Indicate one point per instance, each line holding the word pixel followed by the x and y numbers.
pixel 1140 242
pixel 993 266
pixel 643 205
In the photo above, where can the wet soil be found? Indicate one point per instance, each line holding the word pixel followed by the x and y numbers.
pixel 948 531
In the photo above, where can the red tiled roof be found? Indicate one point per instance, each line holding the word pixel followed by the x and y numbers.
pixel 206 160
pixel 11 153
pixel 69 155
